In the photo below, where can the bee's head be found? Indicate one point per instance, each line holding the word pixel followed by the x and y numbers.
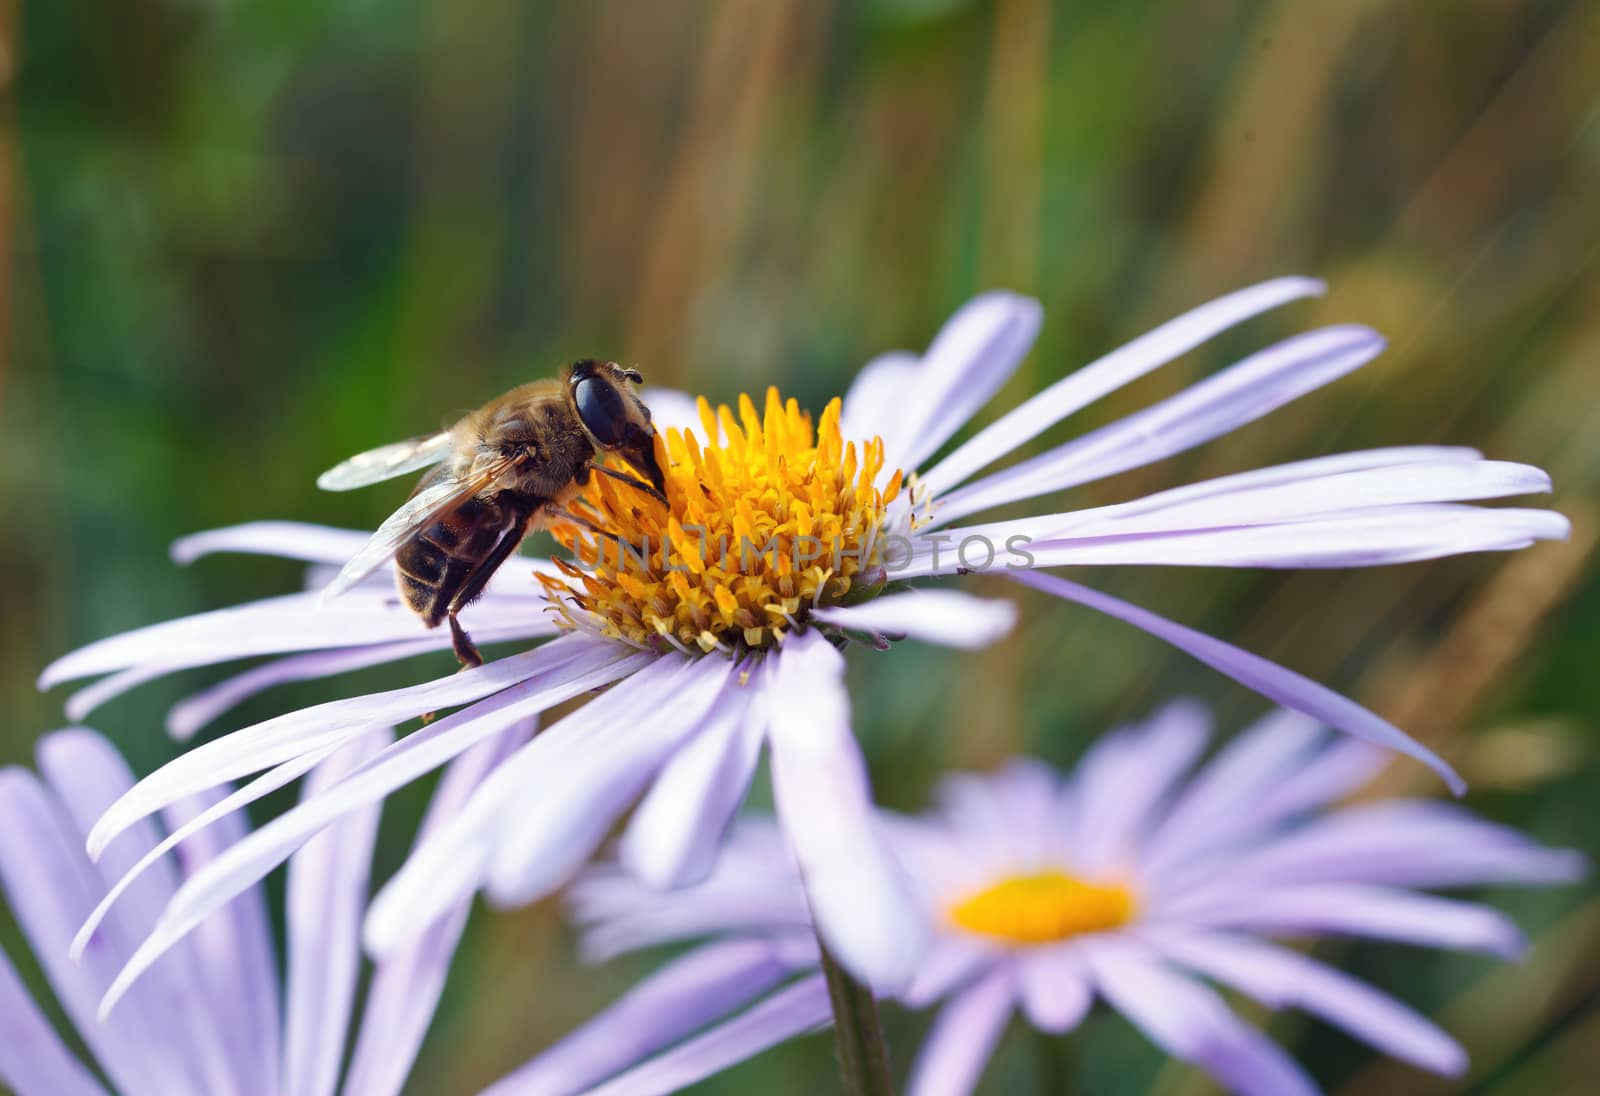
pixel 614 416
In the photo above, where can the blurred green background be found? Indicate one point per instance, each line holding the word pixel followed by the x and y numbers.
pixel 249 238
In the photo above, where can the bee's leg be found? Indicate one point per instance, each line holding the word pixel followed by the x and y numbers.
pixel 623 477
pixel 578 519
pixel 466 651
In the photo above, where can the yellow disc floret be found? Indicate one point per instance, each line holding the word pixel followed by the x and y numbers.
pixel 766 521
pixel 1043 908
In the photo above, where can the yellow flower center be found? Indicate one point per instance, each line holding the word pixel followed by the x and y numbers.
pixel 776 520
pixel 1043 908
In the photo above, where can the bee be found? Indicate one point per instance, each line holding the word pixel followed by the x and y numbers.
pixel 497 475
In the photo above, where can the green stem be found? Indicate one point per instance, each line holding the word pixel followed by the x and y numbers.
pixel 1055 1064
pixel 863 1055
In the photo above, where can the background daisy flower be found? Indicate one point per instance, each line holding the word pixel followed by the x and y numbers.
pixel 714 654
pixel 211 1018
pixel 1137 880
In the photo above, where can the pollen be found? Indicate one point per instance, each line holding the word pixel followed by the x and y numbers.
pixel 769 519
pixel 1043 908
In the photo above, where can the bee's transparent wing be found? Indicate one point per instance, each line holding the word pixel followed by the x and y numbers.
pixel 421 510
pixel 386 462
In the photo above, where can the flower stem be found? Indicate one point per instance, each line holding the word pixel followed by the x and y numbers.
pixel 863 1055
pixel 1055 1064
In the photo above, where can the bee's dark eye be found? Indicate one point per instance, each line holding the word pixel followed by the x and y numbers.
pixel 601 409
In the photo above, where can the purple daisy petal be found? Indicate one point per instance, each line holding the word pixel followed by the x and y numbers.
pixel 677 830
pixel 570 805
pixel 81 703
pixel 235 966
pixel 1355 909
pixel 1122 366
pixel 285 737
pixel 49 888
pixel 194 712
pixel 1281 978
pixel 456 859
pixel 326 895
pixel 406 985
pixel 290 539
pixel 700 988
pixel 875 391
pixel 1410 844
pixel 1125 777
pixel 1054 988
pixel 1213 807
pixel 278 625
pixel 1218 405
pixel 946 617
pixel 791 1011
pixel 1270 680
pixel 669 408
pixel 1189 1021
pixel 973 355
pixel 1286 494
pixel 85 773
pixel 367 784
pixel 953 963
pixel 863 906
pixel 1396 534
pixel 221 811
pixel 958 1045
pixel 33 1060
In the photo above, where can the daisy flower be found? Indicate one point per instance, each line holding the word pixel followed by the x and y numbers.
pixel 1133 881
pixel 784 537
pixel 211 1018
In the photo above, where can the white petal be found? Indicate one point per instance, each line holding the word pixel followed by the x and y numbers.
pixel 1359 910
pixel 235 956
pixel 1054 987
pixel 862 902
pixel 870 404
pixel 1281 978
pixel 221 809
pixel 365 786
pixel 1107 374
pixel 406 985
pixel 702 987
pixel 194 712
pixel 1123 779
pixel 973 355
pixel 793 1010
pixel 1288 688
pixel 33 1060
pixel 49 887
pixel 572 803
pixel 1215 406
pixel 291 539
pixel 1208 812
pixel 313 729
pixel 1189 1021
pixel 961 1040
pixel 1407 844
pixel 675 833
pixel 1396 534
pixel 947 617
pixel 952 961
pixel 86 773
pixel 292 622
pixel 327 893
pixel 454 861
pixel 669 407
